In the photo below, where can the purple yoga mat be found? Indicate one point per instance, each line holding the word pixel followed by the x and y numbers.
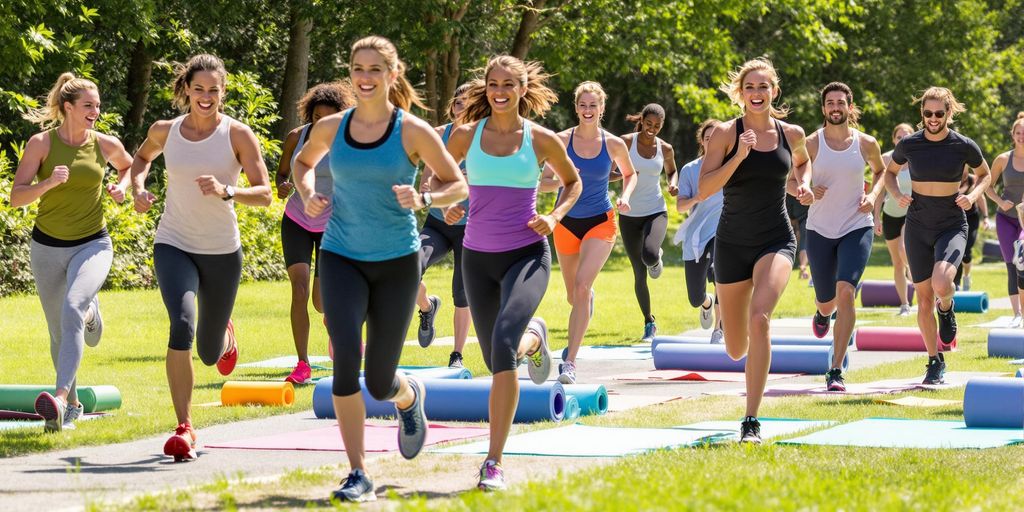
pixel 882 293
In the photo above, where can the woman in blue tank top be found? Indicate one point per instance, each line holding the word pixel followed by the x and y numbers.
pixel 586 235
pixel 370 255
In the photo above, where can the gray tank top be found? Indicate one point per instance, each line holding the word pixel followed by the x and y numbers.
pixel 1013 185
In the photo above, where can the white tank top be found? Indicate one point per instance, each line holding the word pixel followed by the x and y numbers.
pixel 891 206
pixel 191 221
pixel 835 214
pixel 647 198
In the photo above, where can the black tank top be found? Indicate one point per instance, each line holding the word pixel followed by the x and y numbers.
pixel 754 213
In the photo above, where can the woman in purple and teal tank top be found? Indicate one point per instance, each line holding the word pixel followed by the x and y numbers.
pixel 301 234
pixel 506 259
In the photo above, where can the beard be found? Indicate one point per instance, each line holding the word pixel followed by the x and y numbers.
pixel 842 119
pixel 937 130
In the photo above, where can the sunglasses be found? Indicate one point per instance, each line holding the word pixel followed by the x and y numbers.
pixel 927 114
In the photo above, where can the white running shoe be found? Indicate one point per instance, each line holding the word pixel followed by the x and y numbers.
pixel 93 323
pixel 706 319
pixel 1018 255
pixel 1017 321
pixel 717 337
pixel 655 270
pixel 904 310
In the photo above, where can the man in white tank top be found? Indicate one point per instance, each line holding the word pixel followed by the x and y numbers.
pixel 840 226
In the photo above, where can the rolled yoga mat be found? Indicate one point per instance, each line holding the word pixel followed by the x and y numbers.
pixel 882 293
pixel 894 339
pixel 257 393
pixel 785 358
pixel 970 302
pixel 993 402
pixel 572 409
pixel 592 398
pixel 19 397
pixel 777 339
pixel 456 400
pixel 990 252
pixel 1006 343
pixel 434 372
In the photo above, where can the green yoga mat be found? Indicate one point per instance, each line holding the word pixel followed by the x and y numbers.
pixel 18 397
pixel 901 433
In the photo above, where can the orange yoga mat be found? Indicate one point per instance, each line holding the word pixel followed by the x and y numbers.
pixel 257 393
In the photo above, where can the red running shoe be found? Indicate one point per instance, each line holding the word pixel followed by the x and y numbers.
pixel 226 363
pixel 182 445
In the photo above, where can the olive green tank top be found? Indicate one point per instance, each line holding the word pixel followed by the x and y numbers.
pixel 74 209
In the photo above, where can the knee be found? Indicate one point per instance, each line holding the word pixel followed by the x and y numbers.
pixel 580 293
pixel 209 353
pixel 344 386
pixel 758 323
pixel 845 293
pixel 942 287
pixel 696 296
pixel 650 255
pixel 300 290
pixel 380 388
pixel 181 335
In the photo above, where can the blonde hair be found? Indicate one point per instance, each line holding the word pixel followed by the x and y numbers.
pixel 902 126
pixel 953 107
pixel 402 94
pixel 734 85
pixel 67 89
pixel 538 98
pixel 183 74
pixel 701 130
pixel 591 87
pixel 1018 122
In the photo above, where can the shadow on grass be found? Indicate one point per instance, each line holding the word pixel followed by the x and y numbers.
pixel 139 359
pixel 77 465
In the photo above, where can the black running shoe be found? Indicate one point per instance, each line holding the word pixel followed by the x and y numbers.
pixel 936 369
pixel 834 380
pixel 947 325
pixel 356 488
pixel 820 324
pixel 426 331
pixel 750 430
pixel 455 360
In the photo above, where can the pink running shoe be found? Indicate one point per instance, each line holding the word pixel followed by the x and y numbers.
pixel 182 445
pixel 301 373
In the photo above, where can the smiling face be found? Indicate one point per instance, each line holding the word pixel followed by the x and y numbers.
pixel 836 108
pixel 933 122
pixel 899 134
pixel 85 110
pixel 504 90
pixel 371 76
pixel 651 125
pixel 589 108
pixel 758 91
pixel 458 105
pixel 205 93
pixel 1018 134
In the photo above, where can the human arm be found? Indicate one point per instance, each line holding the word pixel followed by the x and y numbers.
pixel 550 149
pixel 620 158
pixel 151 148
pixel 671 172
pixel 284 166
pixel 23 191
pixel 447 185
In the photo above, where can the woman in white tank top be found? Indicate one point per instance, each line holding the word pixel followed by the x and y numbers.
pixel 889 220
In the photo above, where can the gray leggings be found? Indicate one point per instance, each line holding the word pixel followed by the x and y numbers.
pixel 67 280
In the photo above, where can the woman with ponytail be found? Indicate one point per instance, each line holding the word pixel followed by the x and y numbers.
pixel 197 253
pixel 1010 166
pixel 63 167
pixel 370 250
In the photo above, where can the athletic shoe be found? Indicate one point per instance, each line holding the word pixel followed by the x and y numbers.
pixel 935 370
pixel 539 365
pixel 904 310
pixel 226 363
pixel 356 488
pixel 1017 321
pixel 947 324
pixel 706 318
pixel 412 429
pixel 182 445
pixel 71 415
pixel 1018 255
pixel 821 324
pixel 967 283
pixel 455 360
pixel 650 331
pixel 426 331
pixel 655 270
pixel 492 477
pixel 94 324
pixel 567 372
pixel 52 409
pixel 750 430
pixel 834 380
pixel 301 373
pixel 717 337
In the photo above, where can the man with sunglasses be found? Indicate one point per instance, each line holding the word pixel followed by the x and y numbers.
pixel 936 229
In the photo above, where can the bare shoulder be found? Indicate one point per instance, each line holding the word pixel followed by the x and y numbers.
pixel 665 146
pixel 109 142
pixel 464 132
pixel 414 125
pixel 564 135
pixel 544 135
pixel 725 129
pixel 615 142
pixel 240 131
pixel 792 131
pixel 868 140
pixel 39 142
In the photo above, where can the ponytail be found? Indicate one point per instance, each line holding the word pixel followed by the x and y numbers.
pixel 649 109
pixel 67 89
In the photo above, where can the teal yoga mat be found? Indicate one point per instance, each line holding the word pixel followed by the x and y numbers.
pixel 770 427
pixel 970 302
pixel 592 398
pixel 19 397
pixel 585 441
pixel 900 433
pixel 572 409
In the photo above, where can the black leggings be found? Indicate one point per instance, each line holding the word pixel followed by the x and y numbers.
pixel 211 280
pixel 380 293
pixel 699 273
pixel 973 223
pixel 504 290
pixel 300 245
pixel 436 239
pixel 642 237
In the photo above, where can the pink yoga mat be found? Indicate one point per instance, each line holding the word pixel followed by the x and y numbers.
pixel 378 438
pixel 685 375
pixel 897 339
pixel 18 415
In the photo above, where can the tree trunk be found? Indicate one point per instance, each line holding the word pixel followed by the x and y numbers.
pixel 139 73
pixel 296 68
pixel 527 26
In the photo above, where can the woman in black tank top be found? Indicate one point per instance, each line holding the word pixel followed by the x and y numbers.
pixel 754 160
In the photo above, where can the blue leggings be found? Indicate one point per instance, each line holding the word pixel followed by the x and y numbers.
pixel 837 259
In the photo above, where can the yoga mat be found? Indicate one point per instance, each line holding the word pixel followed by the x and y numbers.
pixel 435 372
pixel 994 403
pixel 289 362
pixel 18 397
pixel 900 433
pixel 585 441
pixel 1017 362
pixel 1006 343
pixel 917 401
pixel 1001 322
pixel 990 252
pixel 624 402
pixel 592 398
pixel 609 353
pixel 377 438
pixel 970 302
pixel 770 427
pixel 15 424
pixel 572 409
pixel 785 358
pixel 457 400
pixel 257 393
pixel 1020 373
pixel 691 376
pixel 777 339
pixel 895 339
pixel 882 293
pixel 880 387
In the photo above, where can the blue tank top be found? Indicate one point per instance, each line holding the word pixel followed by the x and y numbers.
pixel 594 174
pixel 438 213
pixel 367 223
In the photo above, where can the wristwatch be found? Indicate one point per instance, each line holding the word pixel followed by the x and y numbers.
pixel 229 193
pixel 427 200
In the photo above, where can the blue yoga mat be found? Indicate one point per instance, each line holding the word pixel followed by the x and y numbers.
pixel 993 402
pixel 1006 343
pixel 592 398
pixel 572 409
pixel 778 339
pixel 457 400
pixel 1020 373
pixel 435 372
pixel 970 302
pixel 785 358
pixel 610 353
pixel 899 433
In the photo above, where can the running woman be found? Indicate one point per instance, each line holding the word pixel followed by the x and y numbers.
pixel 840 227
pixel 71 251
pixel 506 259
pixel 750 159
pixel 643 227
pixel 890 218
pixel 443 232
pixel 936 229
pixel 977 218
pixel 584 238
pixel 1010 167
pixel 697 236
pixel 301 234
pixel 197 253
pixel 370 251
